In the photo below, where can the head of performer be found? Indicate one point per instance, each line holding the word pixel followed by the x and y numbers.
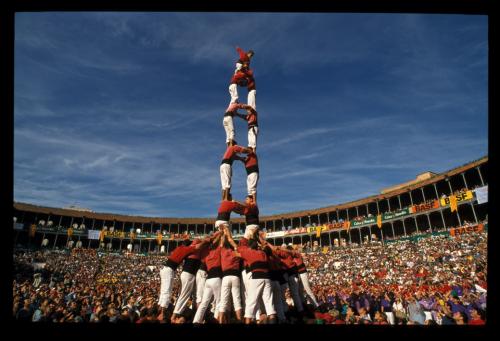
pixel 249 200
pixel 186 242
pixel 250 54
pixel 253 244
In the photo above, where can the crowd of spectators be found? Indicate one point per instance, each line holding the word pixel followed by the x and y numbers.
pixel 433 280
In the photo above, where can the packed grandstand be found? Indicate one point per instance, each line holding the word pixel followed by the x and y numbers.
pixel 414 254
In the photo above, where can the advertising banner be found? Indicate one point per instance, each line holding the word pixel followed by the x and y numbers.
pixel 482 194
pixel 93 234
pixel 464 196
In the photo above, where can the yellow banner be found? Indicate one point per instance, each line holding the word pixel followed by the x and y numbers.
pixel 101 235
pixel 318 231
pixel 159 238
pixel 70 232
pixel 453 203
pixel 379 221
pixel 347 224
pixel 464 196
pixel 32 230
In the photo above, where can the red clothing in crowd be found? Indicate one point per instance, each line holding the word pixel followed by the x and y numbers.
pixel 230 263
pixel 257 261
pixel 301 267
pixel 478 322
pixel 178 255
pixel 213 262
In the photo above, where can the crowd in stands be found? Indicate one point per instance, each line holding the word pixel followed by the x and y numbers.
pixel 434 280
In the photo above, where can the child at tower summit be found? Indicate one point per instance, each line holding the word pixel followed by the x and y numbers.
pixel 244 62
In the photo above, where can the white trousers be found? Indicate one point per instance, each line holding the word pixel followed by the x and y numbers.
pixel 252 137
pixel 390 317
pixel 187 287
pixel 251 99
pixel 278 301
pixel 245 278
pixel 227 122
pixel 238 67
pixel 304 283
pixel 259 288
pixel 166 280
pixel 230 287
pixel 226 172
pixel 293 284
pixel 252 180
pixel 233 92
pixel 201 277
pixel 211 290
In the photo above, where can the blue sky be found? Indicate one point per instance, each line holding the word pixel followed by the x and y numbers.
pixel 122 112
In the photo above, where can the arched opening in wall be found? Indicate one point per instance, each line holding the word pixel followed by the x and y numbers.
pixel 362 211
pixel 325 240
pixel 405 199
pixel 352 213
pixel 423 223
pixel 436 221
pixel 210 228
pixel 457 183
pixel 443 188
pixel 323 219
pixel 466 214
pixel 411 228
pixel 295 223
pixel 155 228
pixel 481 211
pixel 96 224
pixel 365 234
pixel 288 223
pixel 65 222
pixel 450 218
pixel 344 238
pixel 147 228
pixel 398 228
pixel 182 228
pixel 386 230
pixel 314 219
pixel 472 178
pixel 430 193
pixel 383 206
pixel 115 244
pixel 354 233
pixel 372 208
pixel 417 196
pixel 61 241
pixel 278 224
pixel 394 202
pixel 343 215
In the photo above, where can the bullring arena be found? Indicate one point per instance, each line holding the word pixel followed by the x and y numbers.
pixel 414 254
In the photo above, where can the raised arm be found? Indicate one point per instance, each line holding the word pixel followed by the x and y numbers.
pixel 229 238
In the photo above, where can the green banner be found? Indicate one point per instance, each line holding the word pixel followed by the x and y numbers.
pixel 371 220
pixel 397 214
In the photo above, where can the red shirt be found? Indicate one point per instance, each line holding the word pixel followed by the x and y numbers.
pixel 301 267
pixel 243 56
pixel 275 262
pixel 229 261
pixel 226 207
pixel 231 152
pixel 477 322
pixel 180 253
pixel 213 263
pixel 252 119
pixel 287 260
pixel 257 260
pixel 241 78
pixel 251 163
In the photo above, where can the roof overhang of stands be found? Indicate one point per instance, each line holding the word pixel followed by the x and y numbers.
pixel 191 221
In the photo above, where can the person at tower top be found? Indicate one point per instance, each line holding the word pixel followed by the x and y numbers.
pixel 244 61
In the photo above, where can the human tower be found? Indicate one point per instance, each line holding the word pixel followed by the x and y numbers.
pixel 246 282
